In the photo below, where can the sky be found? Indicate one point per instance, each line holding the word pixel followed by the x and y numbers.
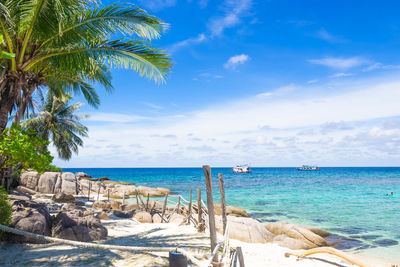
pixel 270 83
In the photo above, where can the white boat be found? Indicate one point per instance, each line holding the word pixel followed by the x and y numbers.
pixel 241 169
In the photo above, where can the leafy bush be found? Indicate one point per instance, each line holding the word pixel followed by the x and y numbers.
pixel 53 168
pixel 21 148
pixel 5 210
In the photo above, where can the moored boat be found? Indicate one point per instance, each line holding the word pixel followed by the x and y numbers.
pixel 308 168
pixel 241 169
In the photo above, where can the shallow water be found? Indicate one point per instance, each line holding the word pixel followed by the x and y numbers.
pixel 350 202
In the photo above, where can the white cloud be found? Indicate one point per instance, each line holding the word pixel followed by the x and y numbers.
pixel 378 65
pixel 235 10
pixel 190 41
pixel 312 81
pixel 236 60
pixel 115 117
pixel 340 63
pixel 324 35
pixel 283 90
pixel 341 74
pixel 153 106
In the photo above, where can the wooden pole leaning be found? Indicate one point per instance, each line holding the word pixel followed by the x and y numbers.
pixel 98 190
pixel 88 195
pixel 210 206
pixel 223 203
pixel 200 226
pixel 240 256
pixel 179 205
pixel 190 207
pixel 137 200
pixel 164 207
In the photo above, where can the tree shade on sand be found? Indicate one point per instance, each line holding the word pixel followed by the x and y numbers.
pixel 68 45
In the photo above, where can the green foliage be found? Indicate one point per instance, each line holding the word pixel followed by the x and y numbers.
pixel 22 148
pixel 5 209
pixel 53 168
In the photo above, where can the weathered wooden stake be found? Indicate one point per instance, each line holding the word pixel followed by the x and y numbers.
pixel 147 202
pixel 190 207
pixel 179 205
pixel 163 208
pixel 223 203
pixel 123 199
pixel 108 195
pixel 137 199
pixel 88 195
pixel 210 206
pixel 240 256
pixel 98 190
pixel 200 226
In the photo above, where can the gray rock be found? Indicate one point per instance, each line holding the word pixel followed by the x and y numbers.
pixel 47 182
pixel 123 214
pixel 80 175
pixel 63 198
pixel 143 217
pixel 29 180
pixel 68 184
pixel 31 217
pixel 78 226
pixel 18 195
pixel 288 242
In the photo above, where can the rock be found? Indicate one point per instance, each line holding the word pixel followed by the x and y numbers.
pixel 29 180
pixel 123 214
pixel 317 231
pixel 116 205
pixel 81 175
pixel 177 219
pixel 102 205
pixel 62 198
pixel 297 232
pixel 230 210
pixel 143 217
pixel 245 229
pixel 47 182
pixel 130 206
pixel 152 192
pixel 103 216
pixel 26 190
pixel 18 195
pixel 31 217
pixel 72 207
pixel 79 203
pixel 68 183
pixel 104 178
pixel 78 226
pixel 108 182
pixel 288 242
pixel 156 218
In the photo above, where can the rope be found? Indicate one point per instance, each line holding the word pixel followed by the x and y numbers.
pixel 99 246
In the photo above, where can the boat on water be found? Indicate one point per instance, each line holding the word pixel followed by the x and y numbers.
pixel 308 168
pixel 241 169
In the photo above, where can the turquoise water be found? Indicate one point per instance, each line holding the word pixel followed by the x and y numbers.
pixel 349 202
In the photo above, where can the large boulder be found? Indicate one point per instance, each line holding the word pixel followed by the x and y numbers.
pixel 288 242
pixel 123 214
pixel 31 217
pixel 177 219
pixel 68 183
pixel 29 180
pixel 230 210
pixel 245 229
pixel 78 226
pixel 63 198
pixel 157 218
pixel 143 217
pixel 82 175
pixel 297 232
pixel 47 182
pixel 102 205
pixel 153 192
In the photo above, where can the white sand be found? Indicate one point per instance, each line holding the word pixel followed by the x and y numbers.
pixel 128 232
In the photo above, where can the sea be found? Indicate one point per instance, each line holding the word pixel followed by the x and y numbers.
pixel 353 203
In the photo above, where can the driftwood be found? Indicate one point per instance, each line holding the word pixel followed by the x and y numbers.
pixel 328 250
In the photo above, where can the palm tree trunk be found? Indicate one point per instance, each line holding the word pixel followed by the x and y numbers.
pixel 6 102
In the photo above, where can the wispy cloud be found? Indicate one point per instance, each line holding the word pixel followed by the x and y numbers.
pixel 313 81
pixel 158 4
pixel 234 61
pixel 378 65
pixel 341 63
pixel 152 105
pixel 324 35
pixel 115 117
pixel 190 41
pixel 283 90
pixel 341 74
pixel 235 10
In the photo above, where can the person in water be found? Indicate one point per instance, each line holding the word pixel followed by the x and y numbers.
pixel 390 194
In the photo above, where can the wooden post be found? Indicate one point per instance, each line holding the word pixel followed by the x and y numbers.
pixel 223 203
pixel 108 195
pixel 190 207
pixel 147 202
pixel 200 226
pixel 98 190
pixel 164 206
pixel 240 256
pixel 179 205
pixel 137 200
pixel 88 195
pixel 123 199
pixel 210 206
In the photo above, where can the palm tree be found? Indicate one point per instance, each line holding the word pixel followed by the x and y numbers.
pixel 56 121
pixel 68 45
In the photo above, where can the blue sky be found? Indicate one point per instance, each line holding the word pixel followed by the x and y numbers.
pixel 270 83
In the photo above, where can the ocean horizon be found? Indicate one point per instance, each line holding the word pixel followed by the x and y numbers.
pixel 350 202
